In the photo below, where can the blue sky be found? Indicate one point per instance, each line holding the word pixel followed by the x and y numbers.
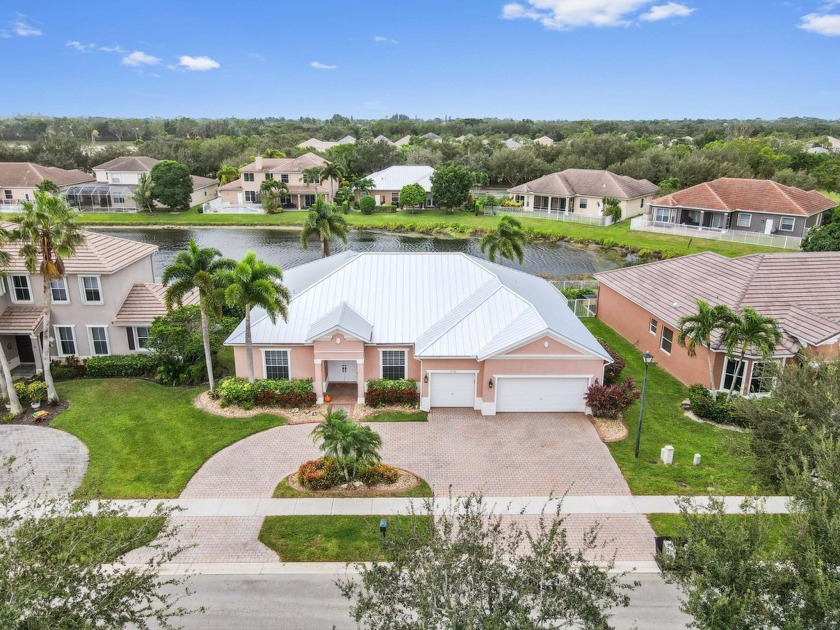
pixel 540 59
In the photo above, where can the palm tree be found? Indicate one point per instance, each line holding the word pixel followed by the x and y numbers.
pixel 507 241
pixel 8 381
pixel 331 172
pixel 324 222
pixel 227 174
pixel 251 283
pixel 750 331
pixel 274 191
pixel 48 234
pixel 700 328
pixel 199 269
pixel 349 443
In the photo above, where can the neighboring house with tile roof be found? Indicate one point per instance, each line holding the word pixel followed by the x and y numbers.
pixel 116 180
pixel 471 333
pixel 403 142
pixel 290 171
pixel 324 145
pixel 644 304
pixel 388 183
pixel 581 192
pixel 544 141
pixel 749 205
pixel 104 304
pixel 19 181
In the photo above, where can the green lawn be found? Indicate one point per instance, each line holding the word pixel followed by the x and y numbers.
pixel 437 221
pixel 286 491
pixel 330 538
pixel 145 440
pixel 726 459
pixel 398 416
pixel 670 525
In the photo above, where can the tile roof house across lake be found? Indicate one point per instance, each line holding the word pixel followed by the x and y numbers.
pixel 388 182
pixel 471 333
pixel 19 181
pixel 581 192
pixel 302 191
pixel 801 291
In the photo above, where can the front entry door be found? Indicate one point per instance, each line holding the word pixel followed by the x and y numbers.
pixel 24 349
pixel 341 371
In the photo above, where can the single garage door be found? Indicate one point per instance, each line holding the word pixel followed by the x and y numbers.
pixel 540 394
pixel 452 389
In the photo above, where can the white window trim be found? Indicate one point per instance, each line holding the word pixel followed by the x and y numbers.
pixel 288 359
pixel 2 286
pixel 662 338
pixel 90 340
pixel 743 369
pixel 13 295
pixel 792 227
pixel 653 326
pixel 57 338
pixel 405 362
pixel 66 290
pixel 738 219
pixel 136 337
pixel 82 290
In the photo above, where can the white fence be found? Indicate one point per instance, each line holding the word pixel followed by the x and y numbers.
pixel 576 284
pixel 553 216
pixel 584 307
pixel 217 206
pixel 644 224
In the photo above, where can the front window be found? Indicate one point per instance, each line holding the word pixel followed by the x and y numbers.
pixel 8 195
pixel 284 177
pixel 91 292
pixel 269 176
pixel 395 198
pixel 729 374
pixel 116 178
pixel 744 219
pixel 308 200
pixel 653 326
pixel 393 364
pixel 665 215
pixel 142 335
pixel 99 340
pixel 667 341
pixel 247 177
pixel 58 291
pixel 787 224
pixel 251 196
pixel 21 289
pixel 277 364
pixel 65 340
pixel 762 378
pixel 583 203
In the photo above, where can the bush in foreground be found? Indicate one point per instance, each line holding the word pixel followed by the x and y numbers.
pixel 267 393
pixel 720 411
pixel 609 401
pixel 121 366
pixel 382 392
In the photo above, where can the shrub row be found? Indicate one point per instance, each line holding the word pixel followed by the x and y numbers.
pixel 382 392
pixel 121 366
pixel 612 371
pixel 720 411
pixel 324 473
pixel 267 392
pixel 609 401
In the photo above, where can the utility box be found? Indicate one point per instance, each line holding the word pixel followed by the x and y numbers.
pixel 696 459
pixel 667 455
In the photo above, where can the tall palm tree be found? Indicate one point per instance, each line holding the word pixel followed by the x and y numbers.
pixel 700 328
pixel 47 232
pixel 227 174
pixel 507 241
pixel 273 190
pixel 324 222
pixel 333 173
pixel 9 384
pixel 199 269
pixel 251 283
pixel 750 331
pixel 349 443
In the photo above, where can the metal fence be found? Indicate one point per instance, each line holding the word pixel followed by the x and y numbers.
pixel 553 216
pixel 584 307
pixel 575 284
pixel 644 224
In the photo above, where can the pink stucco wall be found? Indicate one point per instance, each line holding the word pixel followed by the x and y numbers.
pixel 301 358
pixel 538 346
pixel 442 365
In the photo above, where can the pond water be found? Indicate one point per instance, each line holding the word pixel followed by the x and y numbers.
pixel 554 260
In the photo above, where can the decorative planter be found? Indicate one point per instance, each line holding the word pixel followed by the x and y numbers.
pixel 8 406
pixel 35 405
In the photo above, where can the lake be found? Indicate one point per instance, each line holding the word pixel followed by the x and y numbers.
pixel 555 260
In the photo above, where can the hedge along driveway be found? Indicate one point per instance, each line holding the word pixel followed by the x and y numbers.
pixel 145 440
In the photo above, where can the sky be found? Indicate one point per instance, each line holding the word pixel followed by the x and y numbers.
pixel 537 59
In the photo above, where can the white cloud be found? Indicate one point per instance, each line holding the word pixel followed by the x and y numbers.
pixel 322 66
pixel 567 14
pixel 666 12
pixel 827 24
pixel 23 28
pixel 379 39
pixel 113 49
pixel 199 64
pixel 80 46
pixel 139 58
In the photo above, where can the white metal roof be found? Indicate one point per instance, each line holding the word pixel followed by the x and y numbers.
pixel 395 177
pixel 445 304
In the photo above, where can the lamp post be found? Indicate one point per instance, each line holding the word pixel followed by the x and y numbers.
pixel 647 357
pixel 383 527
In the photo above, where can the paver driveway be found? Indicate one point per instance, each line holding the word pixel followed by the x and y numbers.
pixel 48 462
pixel 505 455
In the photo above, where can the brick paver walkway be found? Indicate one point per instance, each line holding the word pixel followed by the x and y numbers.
pixel 47 461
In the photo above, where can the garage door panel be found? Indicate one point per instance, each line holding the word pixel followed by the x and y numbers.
pixel 535 394
pixel 452 389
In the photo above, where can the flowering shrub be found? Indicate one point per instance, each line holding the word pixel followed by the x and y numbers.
pixel 320 474
pixel 608 401
pixel 378 473
pixel 267 392
pixel 381 392
pixel 508 202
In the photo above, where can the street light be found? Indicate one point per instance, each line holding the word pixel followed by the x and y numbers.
pixel 383 527
pixel 647 357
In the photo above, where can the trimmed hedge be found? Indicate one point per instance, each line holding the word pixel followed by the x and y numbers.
pixel 382 392
pixel 720 411
pixel 121 366
pixel 267 393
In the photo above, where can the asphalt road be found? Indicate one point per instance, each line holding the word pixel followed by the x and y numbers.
pixel 312 602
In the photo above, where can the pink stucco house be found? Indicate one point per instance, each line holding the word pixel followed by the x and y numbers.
pixel 471 333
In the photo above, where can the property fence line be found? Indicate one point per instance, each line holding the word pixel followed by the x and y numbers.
pixel 584 307
pixel 575 284
pixel 217 206
pixel 553 216
pixel 644 224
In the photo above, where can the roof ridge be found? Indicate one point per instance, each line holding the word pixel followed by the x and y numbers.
pixel 787 195
pixel 717 196
pixel 748 283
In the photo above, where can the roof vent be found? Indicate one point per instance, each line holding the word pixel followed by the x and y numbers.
pixel 676 304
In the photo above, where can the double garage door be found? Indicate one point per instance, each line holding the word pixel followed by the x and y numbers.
pixel 513 394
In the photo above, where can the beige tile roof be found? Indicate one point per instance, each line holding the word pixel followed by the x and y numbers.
pixel 236 184
pixel 29 175
pixel 586 182
pixel 202 182
pixel 99 253
pixel 146 301
pixel 758 195
pixel 20 320
pixel 285 165
pixel 128 163
pixel 800 290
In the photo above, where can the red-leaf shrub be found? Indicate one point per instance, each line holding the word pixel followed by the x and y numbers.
pixel 319 474
pixel 378 473
pixel 613 370
pixel 608 401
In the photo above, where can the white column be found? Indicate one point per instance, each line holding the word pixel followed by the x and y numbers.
pixel 360 381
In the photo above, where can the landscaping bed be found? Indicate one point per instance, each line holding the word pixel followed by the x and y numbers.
pixel 407 485
pixel 610 429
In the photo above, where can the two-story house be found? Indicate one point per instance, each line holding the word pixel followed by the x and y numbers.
pixel 20 180
pixel 303 190
pixel 116 180
pixel 104 304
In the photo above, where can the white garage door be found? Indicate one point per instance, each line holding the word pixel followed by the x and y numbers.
pixel 540 394
pixel 452 389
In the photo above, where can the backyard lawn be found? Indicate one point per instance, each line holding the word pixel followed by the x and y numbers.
pixel 726 458
pixel 145 440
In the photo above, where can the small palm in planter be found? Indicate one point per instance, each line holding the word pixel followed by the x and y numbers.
pixel 37 392
pixel 350 444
